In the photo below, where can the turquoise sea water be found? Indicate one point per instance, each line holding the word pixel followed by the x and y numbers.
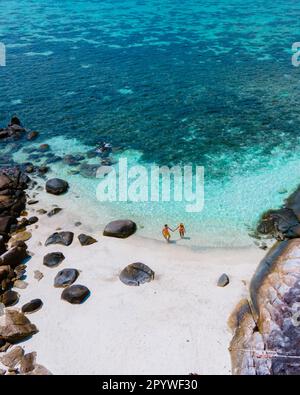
pixel 169 82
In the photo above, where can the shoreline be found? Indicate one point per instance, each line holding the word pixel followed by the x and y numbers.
pixel 181 315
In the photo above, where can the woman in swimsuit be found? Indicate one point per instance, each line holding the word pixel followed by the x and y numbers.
pixel 181 229
pixel 166 233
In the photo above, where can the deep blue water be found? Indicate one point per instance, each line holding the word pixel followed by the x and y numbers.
pixel 179 81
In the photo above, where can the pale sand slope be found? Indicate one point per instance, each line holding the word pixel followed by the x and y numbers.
pixel 176 324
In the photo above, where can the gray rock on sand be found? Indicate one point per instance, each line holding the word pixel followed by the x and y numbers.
pixel 56 186
pixel 38 275
pixel 32 306
pixel 14 327
pixel 53 259
pixel 65 278
pixel 136 274
pixel 75 294
pixel 86 240
pixel 223 281
pixel 54 211
pixel 63 238
pixel 120 229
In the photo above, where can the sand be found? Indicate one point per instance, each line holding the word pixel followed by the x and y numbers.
pixel 176 324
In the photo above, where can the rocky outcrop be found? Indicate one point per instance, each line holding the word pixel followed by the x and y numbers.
pixel 136 274
pixel 266 327
pixel 120 229
pixel 14 327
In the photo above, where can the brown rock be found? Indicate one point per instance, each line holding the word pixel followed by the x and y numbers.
pixel 13 358
pixel 14 326
pixel 28 363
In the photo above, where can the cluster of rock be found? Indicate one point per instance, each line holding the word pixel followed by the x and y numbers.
pixel 14 325
pixel 266 327
pixel 14 131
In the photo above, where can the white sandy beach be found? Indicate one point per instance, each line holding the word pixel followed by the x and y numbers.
pixel 176 324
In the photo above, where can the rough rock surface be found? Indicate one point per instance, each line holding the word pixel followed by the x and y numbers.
pixel 86 240
pixel 75 294
pixel 266 328
pixel 136 274
pixel 32 306
pixel 65 278
pixel 14 326
pixel 12 358
pixel 120 229
pixel 56 186
pixel 223 281
pixel 63 238
pixel 53 259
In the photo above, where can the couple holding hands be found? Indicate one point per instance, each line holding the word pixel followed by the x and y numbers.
pixel 167 235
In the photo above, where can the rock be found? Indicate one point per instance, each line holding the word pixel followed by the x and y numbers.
pixel 20 284
pixel 28 363
pixel 10 298
pixel 15 121
pixel 136 274
pixel 70 160
pixel 6 272
pixel 33 220
pixel 54 211
pixel 39 370
pixel 64 238
pixel 31 202
pixel 43 170
pixel 57 186
pixel 53 259
pixel 280 224
pixel 77 224
pixel 44 147
pixel 86 240
pixel 120 229
pixel 65 278
pixel 32 135
pixel 14 326
pixel 223 281
pixel 41 211
pixel 2 372
pixel 38 275
pixel 13 257
pixel 13 358
pixel 23 236
pixel 6 222
pixel 75 294
pixel 33 306
pixel 88 171
pixel 2 246
pixel 5 182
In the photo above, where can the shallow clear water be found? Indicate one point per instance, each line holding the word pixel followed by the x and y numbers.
pixel 175 82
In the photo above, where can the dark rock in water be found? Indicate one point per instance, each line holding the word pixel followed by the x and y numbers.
pixel 15 121
pixel 41 211
pixel 223 281
pixel 55 211
pixel 72 160
pixel 64 238
pixel 65 278
pixel 32 135
pixel 279 224
pixel 5 182
pixel 57 186
pixel 120 229
pixel 293 203
pixel 137 274
pixel 53 159
pixel 75 294
pixel 86 240
pixel 32 306
pixel 10 298
pixel 78 224
pixel 91 154
pixel 44 147
pixel 16 327
pixel 31 202
pixel 53 259
pixel 43 170
pixel 88 171
pixel 269 324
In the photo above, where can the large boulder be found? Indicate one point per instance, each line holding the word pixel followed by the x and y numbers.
pixel 56 186
pixel 75 294
pixel 53 259
pixel 65 278
pixel 280 224
pixel 13 358
pixel 14 326
pixel 120 229
pixel 6 222
pixel 13 257
pixel 63 238
pixel 136 274
pixel 268 324
pixel 5 182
